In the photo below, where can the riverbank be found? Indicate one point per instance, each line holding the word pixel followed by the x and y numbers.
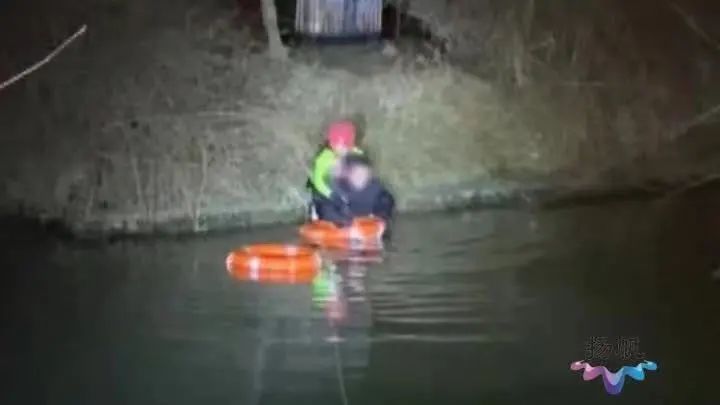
pixel 454 198
pixel 184 125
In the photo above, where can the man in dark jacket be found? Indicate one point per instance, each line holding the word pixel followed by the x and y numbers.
pixel 357 194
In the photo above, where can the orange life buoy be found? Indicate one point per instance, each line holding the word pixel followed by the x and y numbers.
pixel 274 263
pixel 364 234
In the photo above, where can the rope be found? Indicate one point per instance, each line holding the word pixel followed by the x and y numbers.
pixel 336 346
pixel 339 371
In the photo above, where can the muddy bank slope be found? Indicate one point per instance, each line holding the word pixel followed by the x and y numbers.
pixel 187 126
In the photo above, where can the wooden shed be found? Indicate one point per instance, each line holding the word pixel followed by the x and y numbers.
pixel 339 18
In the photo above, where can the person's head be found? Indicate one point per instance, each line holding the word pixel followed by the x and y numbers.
pixel 341 137
pixel 358 171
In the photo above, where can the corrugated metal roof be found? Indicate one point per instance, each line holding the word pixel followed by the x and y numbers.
pixel 338 18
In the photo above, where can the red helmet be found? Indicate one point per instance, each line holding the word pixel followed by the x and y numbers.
pixel 341 134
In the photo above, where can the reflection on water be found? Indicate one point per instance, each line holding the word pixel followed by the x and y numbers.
pixel 484 307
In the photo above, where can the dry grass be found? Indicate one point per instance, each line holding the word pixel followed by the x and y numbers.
pixel 607 86
pixel 149 164
pixel 189 123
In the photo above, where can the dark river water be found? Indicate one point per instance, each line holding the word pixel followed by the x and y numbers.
pixel 486 307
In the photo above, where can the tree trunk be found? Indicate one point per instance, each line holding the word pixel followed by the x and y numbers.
pixel 276 48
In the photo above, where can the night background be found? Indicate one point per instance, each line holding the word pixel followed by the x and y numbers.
pixel 555 168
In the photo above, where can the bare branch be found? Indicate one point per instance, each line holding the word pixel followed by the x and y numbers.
pixel 693 25
pixel 44 61
pixel 700 119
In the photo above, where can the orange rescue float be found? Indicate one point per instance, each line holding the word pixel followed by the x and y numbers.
pixel 274 263
pixel 363 234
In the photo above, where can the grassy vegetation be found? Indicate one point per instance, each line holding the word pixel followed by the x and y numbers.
pixel 179 120
pixel 609 86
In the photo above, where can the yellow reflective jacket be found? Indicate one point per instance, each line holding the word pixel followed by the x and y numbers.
pixel 322 170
